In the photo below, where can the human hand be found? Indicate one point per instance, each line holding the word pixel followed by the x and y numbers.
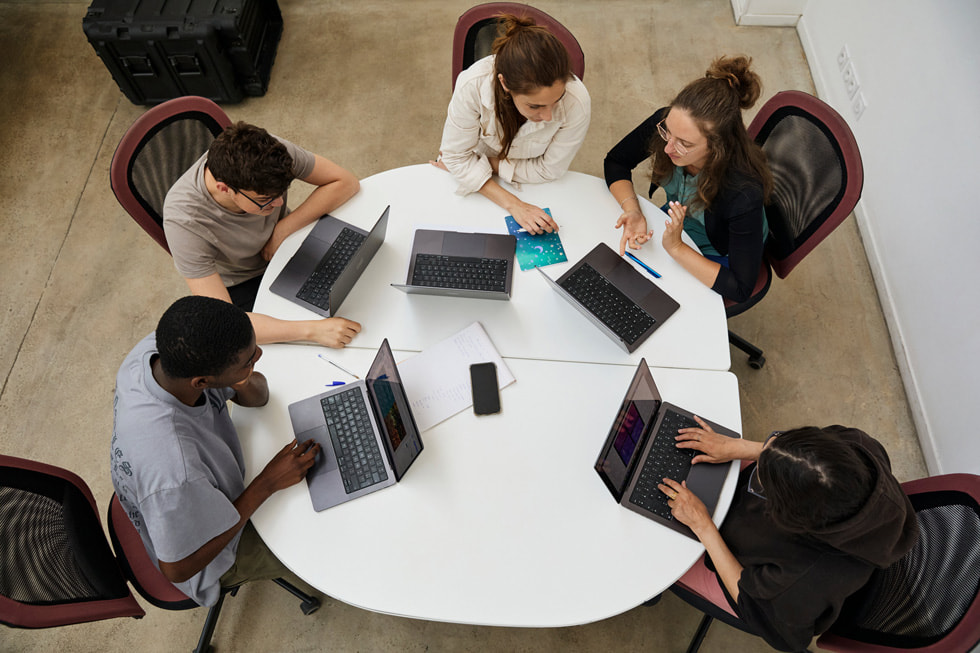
pixel 635 232
pixel 438 163
pixel 290 465
pixel 714 448
pixel 674 226
pixel 335 332
pixel 534 219
pixel 685 506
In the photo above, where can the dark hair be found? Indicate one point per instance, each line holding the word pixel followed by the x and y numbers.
pixel 813 477
pixel 715 103
pixel 529 57
pixel 247 157
pixel 201 336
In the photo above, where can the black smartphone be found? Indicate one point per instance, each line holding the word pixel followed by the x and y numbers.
pixel 486 397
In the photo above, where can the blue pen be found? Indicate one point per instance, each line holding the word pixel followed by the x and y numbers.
pixel 645 266
pixel 335 383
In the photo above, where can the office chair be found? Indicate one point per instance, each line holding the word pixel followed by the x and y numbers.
pixel 818 177
pixel 476 30
pixel 926 602
pixel 153 586
pixel 156 150
pixel 56 568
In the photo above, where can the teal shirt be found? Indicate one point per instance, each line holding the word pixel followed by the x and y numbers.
pixel 683 188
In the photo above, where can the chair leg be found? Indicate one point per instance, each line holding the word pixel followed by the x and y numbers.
pixel 310 603
pixel 700 634
pixel 756 359
pixel 204 643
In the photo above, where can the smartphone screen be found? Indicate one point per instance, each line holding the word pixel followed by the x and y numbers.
pixel 486 397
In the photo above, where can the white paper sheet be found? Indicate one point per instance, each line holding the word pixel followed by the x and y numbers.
pixel 437 380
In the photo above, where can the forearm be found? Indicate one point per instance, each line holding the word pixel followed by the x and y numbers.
pixel 321 201
pixel 499 196
pixel 726 565
pixel 269 329
pixel 704 270
pixel 625 195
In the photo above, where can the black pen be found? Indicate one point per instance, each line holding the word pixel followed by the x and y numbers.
pixel 645 266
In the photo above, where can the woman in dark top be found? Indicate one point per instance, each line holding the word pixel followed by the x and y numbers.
pixel 811 520
pixel 715 177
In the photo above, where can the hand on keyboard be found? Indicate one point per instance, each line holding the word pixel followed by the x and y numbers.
pixel 714 448
pixel 685 506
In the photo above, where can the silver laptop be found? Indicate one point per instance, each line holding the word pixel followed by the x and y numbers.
pixel 331 259
pixel 367 434
pixel 461 264
pixel 640 451
pixel 624 304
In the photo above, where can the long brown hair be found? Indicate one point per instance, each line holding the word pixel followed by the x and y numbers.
pixel 528 57
pixel 715 103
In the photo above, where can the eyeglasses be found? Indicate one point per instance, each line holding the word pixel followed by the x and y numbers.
pixel 755 486
pixel 664 134
pixel 256 203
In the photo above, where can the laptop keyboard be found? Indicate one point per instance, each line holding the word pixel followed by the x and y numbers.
pixel 358 455
pixel 608 303
pixel 664 461
pixel 316 290
pixel 461 272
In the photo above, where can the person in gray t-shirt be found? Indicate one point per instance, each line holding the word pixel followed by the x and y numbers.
pixel 176 461
pixel 226 217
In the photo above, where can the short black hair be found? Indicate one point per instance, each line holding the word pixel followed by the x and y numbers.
pixel 813 477
pixel 201 336
pixel 247 157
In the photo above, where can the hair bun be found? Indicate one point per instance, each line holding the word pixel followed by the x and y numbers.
pixel 737 73
pixel 509 24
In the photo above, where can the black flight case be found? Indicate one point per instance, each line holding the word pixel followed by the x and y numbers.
pixel 161 49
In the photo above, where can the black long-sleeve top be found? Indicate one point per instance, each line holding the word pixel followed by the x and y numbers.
pixel 733 222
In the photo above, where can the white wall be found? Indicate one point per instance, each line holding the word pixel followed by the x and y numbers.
pixel 918 64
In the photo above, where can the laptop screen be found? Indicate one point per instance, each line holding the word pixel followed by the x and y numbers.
pixel 398 427
pixel 629 430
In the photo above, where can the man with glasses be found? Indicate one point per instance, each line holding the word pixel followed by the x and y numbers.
pixel 226 217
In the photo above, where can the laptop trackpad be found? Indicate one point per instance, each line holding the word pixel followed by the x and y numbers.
pixel 462 244
pixel 326 460
pixel 705 480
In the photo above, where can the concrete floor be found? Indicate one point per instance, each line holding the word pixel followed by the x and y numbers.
pixel 366 84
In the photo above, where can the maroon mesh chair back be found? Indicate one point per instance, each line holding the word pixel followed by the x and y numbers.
pixel 57 567
pixel 927 601
pixel 817 173
pixel 476 30
pixel 156 150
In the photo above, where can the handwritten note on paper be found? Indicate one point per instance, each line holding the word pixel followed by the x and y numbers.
pixel 437 380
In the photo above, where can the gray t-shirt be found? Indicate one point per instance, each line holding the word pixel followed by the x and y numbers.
pixel 176 469
pixel 205 237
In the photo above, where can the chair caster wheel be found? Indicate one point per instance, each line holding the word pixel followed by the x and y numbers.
pixel 309 607
pixel 756 362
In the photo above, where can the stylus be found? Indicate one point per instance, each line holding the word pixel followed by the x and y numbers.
pixel 327 360
pixel 645 266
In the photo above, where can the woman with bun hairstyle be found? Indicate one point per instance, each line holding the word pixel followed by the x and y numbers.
pixel 813 516
pixel 520 114
pixel 715 177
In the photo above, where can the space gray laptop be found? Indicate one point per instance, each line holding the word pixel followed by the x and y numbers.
pixel 331 259
pixel 461 264
pixel 366 431
pixel 640 452
pixel 623 303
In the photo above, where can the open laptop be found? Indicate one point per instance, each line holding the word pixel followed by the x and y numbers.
pixel 328 263
pixel 367 434
pixel 461 264
pixel 624 304
pixel 640 452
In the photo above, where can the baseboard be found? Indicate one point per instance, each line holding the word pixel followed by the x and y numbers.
pixel 927 442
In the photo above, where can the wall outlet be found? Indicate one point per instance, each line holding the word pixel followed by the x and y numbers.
pixel 858 105
pixel 851 83
pixel 843 57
